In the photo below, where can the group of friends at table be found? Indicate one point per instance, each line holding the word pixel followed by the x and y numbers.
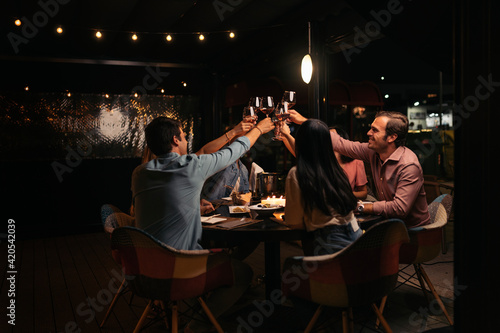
pixel 324 190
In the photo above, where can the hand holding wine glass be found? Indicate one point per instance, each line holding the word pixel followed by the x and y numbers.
pixel 250 114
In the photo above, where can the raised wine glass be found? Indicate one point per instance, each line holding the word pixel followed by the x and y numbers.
pixel 267 105
pixel 278 121
pixel 289 100
pixel 256 103
pixel 249 113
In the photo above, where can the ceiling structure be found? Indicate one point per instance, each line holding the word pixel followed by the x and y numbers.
pixel 270 39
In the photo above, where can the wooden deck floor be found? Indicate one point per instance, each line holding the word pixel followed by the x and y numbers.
pixel 64 284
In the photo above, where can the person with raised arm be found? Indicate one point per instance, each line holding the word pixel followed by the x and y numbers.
pixel 397 173
pixel 166 197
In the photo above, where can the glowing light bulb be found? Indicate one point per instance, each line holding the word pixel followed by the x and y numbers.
pixel 231 34
pixel 134 37
pixel 27 88
pixel 68 94
pixel 184 84
pixel 17 22
pixel 98 34
pixel 306 68
pixel 168 38
pixel 59 30
pixel 201 37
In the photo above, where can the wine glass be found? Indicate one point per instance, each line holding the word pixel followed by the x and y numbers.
pixel 289 100
pixel 279 113
pixel 267 105
pixel 249 113
pixel 256 103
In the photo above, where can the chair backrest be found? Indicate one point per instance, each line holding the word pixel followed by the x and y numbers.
pixel 447 201
pixel 157 271
pixel 361 273
pixel 425 241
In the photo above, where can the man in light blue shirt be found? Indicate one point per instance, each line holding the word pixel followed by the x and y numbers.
pixel 166 195
pixel 166 191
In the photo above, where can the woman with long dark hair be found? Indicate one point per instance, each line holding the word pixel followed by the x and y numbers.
pixel 319 197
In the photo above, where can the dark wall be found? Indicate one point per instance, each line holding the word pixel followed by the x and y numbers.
pixel 42 205
pixel 477 224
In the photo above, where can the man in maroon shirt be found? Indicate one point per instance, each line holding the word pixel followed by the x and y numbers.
pixel 397 173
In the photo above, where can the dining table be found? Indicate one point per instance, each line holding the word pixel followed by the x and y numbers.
pixel 241 227
pixel 247 227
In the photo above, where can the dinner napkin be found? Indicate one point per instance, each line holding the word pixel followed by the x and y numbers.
pixel 212 220
pixel 254 171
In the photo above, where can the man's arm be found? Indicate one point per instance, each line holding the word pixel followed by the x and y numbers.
pixel 220 159
pixel 352 149
pixel 238 130
pixel 407 191
pixel 296 117
pixel 264 126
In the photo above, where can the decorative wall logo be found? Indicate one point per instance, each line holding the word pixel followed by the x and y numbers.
pixel 40 19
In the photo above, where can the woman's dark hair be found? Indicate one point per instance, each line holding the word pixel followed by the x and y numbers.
pixel 322 181
pixel 160 134
pixel 343 134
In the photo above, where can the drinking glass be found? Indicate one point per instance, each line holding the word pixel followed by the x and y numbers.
pixel 289 100
pixel 256 103
pixel 279 113
pixel 267 105
pixel 249 113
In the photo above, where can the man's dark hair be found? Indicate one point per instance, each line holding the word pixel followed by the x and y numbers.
pixel 397 124
pixel 160 134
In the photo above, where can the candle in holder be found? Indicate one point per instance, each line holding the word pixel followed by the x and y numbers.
pixel 274 201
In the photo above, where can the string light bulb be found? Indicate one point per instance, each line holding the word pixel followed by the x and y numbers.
pixel 169 38
pixel 27 88
pixel 17 22
pixel 98 34
pixel 59 30
pixel 201 37
pixel 134 37
pixel 231 34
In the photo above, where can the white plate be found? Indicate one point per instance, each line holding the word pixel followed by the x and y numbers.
pixel 232 208
pixel 263 211
pixel 257 208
